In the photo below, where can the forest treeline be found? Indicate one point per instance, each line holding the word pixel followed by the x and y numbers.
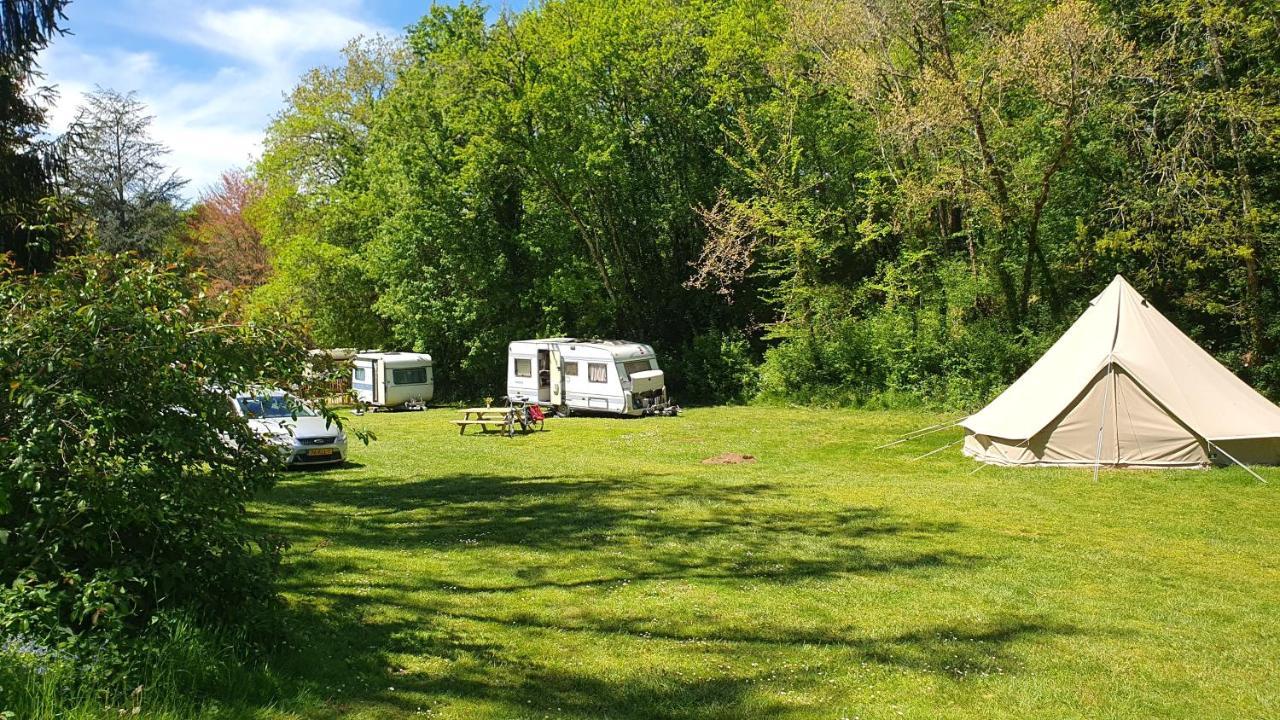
pixel 852 201
pixel 822 200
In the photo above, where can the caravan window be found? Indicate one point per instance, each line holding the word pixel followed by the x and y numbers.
pixel 409 376
pixel 597 372
pixel 571 368
pixel 634 366
pixel 359 375
pixel 524 367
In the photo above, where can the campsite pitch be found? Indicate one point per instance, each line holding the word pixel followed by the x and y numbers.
pixel 601 569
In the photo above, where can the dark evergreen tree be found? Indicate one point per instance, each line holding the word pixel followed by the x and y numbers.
pixel 26 163
pixel 116 177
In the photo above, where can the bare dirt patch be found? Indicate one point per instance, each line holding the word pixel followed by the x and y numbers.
pixel 729 458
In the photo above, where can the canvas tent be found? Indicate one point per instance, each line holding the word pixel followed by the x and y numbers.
pixel 1124 387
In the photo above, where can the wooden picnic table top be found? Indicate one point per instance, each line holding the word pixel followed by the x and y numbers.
pixel 484 410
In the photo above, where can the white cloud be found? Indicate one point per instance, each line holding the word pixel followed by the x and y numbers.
pixel 268 36
pixel 210 113
pixel 75 72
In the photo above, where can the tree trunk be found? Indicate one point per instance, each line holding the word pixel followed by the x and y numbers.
pixel 1244 185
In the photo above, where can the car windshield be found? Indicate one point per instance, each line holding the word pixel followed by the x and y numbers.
pixel 273 406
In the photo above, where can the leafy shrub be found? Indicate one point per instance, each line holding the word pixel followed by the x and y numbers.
pixel 714 367
pixel 124 470
pixel 894 358
pixel 833 367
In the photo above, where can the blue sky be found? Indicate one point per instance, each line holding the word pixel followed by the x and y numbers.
pixel 213 72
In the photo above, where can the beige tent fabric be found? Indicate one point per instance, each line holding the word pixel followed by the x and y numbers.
pixel 1123 386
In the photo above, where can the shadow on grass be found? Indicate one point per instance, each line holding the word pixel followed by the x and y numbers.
pixel 351 663
pixel 553 513
pixel 352 623
pixel 495 676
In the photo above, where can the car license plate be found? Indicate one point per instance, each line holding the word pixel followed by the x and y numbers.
pixel 319 452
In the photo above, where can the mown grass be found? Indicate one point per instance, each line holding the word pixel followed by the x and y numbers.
pixel 600 570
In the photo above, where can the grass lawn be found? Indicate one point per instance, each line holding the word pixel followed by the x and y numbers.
pixel 600 570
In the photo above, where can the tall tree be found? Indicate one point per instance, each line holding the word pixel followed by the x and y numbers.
pixel 115 173
pixel 903 196
pixel 26 164
pixel 1199 215
pixel 979 110
pixel 313 212
pixel 222 239
pixel 27 25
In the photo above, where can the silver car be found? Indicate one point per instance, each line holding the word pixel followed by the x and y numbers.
pixel 303 436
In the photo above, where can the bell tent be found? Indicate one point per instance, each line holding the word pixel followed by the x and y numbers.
pixel 1124 387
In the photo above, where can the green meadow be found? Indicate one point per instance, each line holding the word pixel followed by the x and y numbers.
pixel 601 569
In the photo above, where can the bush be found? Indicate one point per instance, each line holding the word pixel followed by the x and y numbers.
pixel 892 358
pixel 834 366
pixel 714 367
pixel 124 471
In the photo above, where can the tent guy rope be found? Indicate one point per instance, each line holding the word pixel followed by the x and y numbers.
pixel 937 450
pixel 916 434
pixel 1234 460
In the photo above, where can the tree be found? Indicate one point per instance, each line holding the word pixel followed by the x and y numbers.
pixel 125 466
pixel 222 239
pixel 116 175
pixel 882 196
pixel 979 110
pixel 1198 217
pixel 313 210
pixel 538 175
pixel 27 25
pixel 26 163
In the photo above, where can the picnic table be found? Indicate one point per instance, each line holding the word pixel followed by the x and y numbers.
pixel 508 419
pixel 484 417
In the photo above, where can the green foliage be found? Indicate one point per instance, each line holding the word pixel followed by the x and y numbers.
pixel 27 165
pixel 537 176
pixel 917 348
pixel 1202 229
pixel 904 200
pixel 125 467
pixel 313 212
pixel 714 367
pixel 171 670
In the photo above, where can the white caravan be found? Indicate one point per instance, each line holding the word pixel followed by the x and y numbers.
pixel 392 379
pixel 606 376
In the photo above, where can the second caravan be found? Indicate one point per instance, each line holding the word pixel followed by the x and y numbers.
pixel 606 376
pixel 388 380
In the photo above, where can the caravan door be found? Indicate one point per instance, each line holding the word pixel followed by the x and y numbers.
pixel 557 377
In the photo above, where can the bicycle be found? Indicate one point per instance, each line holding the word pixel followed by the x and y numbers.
pixel 528 416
